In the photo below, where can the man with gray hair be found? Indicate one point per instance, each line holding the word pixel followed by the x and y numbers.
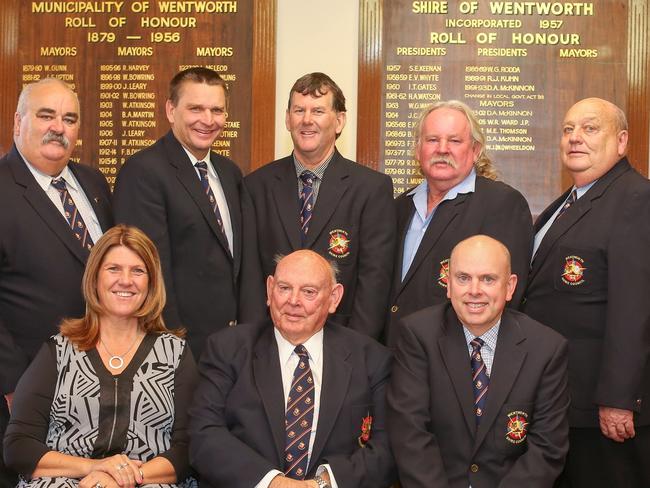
pixel 53 212
pixel 458 198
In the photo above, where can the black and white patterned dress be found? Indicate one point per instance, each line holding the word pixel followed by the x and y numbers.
pixel 94 414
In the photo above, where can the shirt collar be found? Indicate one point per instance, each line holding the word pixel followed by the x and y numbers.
pixel 44 180
pixel 314 346
pixel 319 170
pixel 490 336
pixel 583 189
pixel 194 159
pixel 420 192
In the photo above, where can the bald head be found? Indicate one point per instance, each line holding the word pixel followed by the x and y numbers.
pixel 594 139
pixel 480 282
pixel 301 294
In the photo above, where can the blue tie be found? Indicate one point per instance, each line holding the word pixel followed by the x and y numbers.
pixel 299 418
pixel 480 379
pixel 72 214
pixel 306 202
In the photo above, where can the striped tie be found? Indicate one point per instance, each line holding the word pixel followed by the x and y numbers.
pixel 72 214
pixel 480 379
pixel 306 202
pixel 299 418
pixel 202 166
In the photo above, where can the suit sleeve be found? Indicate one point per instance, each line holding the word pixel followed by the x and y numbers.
pixel 24 442
pixel 13 361
pixel 139 200
pixel 548 435
pixel 512 224
pixel 419 461
pixel 377 239
pixel 373 465
pixel 252 290
pixel 219 456
pixel 626 345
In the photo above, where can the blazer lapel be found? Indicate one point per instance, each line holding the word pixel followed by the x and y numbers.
pixel 455 355
pixel 336 380
pixel 44 207
pixel 446 212
pixel 285 192
pixel 334 185
pixel 508 360
pixel 100 206
pixel 268 380
pixel 187 176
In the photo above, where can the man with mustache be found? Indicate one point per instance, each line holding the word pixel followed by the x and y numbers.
pixel 187 199
pixel 458 198
pixel 589 280
pixel 53 210
pixel 317 199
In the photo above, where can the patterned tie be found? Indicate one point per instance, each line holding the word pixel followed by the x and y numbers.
pixel 480 379
pixel 306 202
pixel 569 201
pixel 299 418
pixel 72 215
pixel 202 166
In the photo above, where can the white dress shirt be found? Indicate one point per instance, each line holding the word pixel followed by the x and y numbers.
pixel 288 362
pixel 76 192
pixel 217 189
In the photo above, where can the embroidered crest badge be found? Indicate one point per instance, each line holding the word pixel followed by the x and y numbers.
pixel 573 272
pixel 339 244
pixel 366 427
pixel 443 274
pixel 517 427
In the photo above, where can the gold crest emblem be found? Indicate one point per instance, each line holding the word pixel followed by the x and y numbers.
pixel 443 274
pixel 339 244
pixel 517 427
pixel 574 270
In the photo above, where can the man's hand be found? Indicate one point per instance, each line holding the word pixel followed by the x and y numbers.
pixel 284 482
pixel 616 424
pixel 9 397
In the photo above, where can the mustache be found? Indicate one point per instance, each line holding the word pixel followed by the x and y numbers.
pixel 443 159
pixel 53 136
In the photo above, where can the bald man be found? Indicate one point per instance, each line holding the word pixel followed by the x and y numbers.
pixel 325 383
pixel 590 281
pixel 478 395
pixel 44 244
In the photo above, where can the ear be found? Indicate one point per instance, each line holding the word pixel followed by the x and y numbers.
pixel 510 287
pixel 476 149
pixel 622 142
pixel 335 297
pixel 17 120
pixel 287 121
pixel 341 119
pixel 169 111
pixel 269 289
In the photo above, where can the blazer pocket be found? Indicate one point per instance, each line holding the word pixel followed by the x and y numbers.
pixel 581 270
pixel 511 428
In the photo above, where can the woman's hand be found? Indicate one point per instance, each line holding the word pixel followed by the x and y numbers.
pixel 98 479
pixel 124 471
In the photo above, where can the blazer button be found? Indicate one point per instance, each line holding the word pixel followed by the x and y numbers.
pixel 474 468
pixel 638 402
pixel 232 323
pixel 394 308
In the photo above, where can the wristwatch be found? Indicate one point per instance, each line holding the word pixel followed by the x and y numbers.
pixel 321 482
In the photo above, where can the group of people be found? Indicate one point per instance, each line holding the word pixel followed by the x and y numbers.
pixel 341 338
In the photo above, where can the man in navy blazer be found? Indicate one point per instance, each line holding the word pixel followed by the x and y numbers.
pixel 478 395
pixel 237 426
pixel 458 198
pixel 353 218
pixel 590 281
pixel 41 259
pixel 196 228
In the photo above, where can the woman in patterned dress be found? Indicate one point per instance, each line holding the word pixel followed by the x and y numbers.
pixel 103 405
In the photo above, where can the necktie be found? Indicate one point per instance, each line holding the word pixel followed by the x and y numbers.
pixel 202 166
pixel 480 379
pixel 573 196
pixel 299 418
pixel 72 214
pixel 306 202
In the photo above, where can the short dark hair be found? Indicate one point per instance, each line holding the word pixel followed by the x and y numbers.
pixel 196 74
pixel 318 84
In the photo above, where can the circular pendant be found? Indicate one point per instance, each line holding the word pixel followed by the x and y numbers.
pixel 118 359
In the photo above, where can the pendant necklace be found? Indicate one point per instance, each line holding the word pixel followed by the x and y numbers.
pixel 114 357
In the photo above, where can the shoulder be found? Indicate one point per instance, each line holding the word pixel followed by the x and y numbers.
pixel 261 175
pixel 233 343
pixel 362 349
pixel 169 346
pixel 536 333
pixel 496 189
pixel 226 164
pixel 87 171
pixel 359 171
pixel 428 321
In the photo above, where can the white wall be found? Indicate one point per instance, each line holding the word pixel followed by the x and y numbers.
pixel 317 36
